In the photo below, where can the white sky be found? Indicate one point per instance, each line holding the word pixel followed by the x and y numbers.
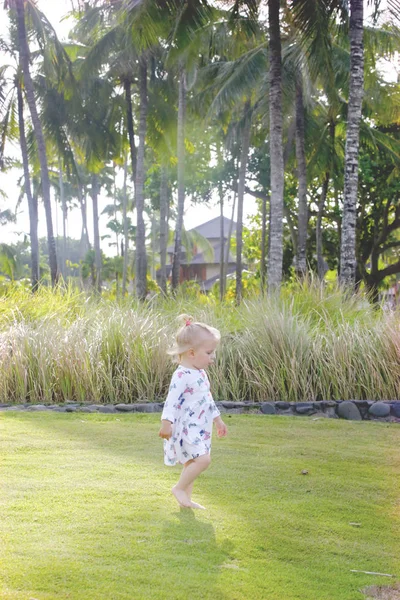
pixel 55 10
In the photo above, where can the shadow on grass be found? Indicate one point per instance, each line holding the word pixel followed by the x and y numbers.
pixel 196 558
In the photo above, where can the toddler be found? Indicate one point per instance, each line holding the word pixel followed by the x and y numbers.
pixel 189 410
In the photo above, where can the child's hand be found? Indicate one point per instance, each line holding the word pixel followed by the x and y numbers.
pixel 222 429
pixel 166 430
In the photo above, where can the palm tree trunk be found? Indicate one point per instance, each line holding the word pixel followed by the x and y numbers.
pixel 163 228
pixel 348 241
pixel 125 225
pixel 228 241
pixel 222 246
pixel 241 185
pixel 32 202
pixel 141 258
pixel 221 233
pixel 131 131
pixel 85 242
pixel 181 180
pixel 38 131
pixel 63 261
pixel 263 272
pixel 275 258
pixel 318 231
pixel 95 193
pixel 302 221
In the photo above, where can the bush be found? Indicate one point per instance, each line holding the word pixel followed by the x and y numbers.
pixel 311 343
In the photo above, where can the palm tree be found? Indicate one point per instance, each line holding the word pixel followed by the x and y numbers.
pixel 348 241
pixel 181 179
pixel 32 201
pixel 141 258
pixel 241 188
pixel 37 127
pixel 302 221
pixel 276 148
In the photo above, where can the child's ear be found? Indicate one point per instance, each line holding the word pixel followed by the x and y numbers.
pixel 191 352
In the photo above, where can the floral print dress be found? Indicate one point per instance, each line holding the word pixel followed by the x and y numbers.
pixel 191 409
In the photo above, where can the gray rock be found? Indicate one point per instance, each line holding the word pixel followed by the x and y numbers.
pixel 124 407
pixel 326 404
pixel 107 409
pixel 149 407
pixel 86 409
pixel 59 409
pixel 348 410
pixel 70 408
pixel 233 404
pixel 37 407
pixel 267 408
pixel 379 409
pixel 282 405
pixel 396 409
pixel 305 408
pixel 4 405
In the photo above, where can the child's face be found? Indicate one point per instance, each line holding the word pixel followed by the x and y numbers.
pixel 203 356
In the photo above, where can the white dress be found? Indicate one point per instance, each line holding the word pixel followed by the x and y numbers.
pixel 191 409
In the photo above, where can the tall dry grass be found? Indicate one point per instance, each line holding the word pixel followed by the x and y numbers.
pixel 309 344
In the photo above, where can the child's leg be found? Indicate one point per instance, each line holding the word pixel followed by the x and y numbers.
pixel 192 469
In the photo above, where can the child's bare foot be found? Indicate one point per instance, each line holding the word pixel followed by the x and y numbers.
pixel 198 506
pixel 182 498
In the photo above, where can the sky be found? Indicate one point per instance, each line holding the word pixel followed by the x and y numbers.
pixel 55 11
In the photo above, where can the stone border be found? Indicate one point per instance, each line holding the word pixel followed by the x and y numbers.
pixel 353 410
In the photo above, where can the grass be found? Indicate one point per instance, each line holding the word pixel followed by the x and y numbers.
pixel 86 512
pixel 310 343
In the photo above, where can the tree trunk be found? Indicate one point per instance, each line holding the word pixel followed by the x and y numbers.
pixel 348 241
pixel 125 225
pixel 222 247
pixel 163 228
pixel 63 261
pixel 181 180
pixel 263 273
pixel 85 242
pixel 141 258
pixel 302 221
pixel 115 209
pixel 241 185
pixel 275 258
pixel 131 131
pixel 38 131
pixel 221 233
pixel 32 202
pixel 96 232
pixel 318 231
pixel 228 241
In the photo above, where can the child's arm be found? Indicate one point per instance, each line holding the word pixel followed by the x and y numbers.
pixel 165 430
pixel 222 429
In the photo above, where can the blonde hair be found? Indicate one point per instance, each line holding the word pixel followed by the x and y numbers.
pixel 192 334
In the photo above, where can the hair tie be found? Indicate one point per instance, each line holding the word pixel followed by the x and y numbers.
pixel 188 323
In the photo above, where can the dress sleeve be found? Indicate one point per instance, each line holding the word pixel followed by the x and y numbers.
pixel 176 389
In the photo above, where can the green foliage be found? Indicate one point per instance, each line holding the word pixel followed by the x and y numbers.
pixel 311 343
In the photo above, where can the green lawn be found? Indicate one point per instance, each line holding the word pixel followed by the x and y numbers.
pixel 86 511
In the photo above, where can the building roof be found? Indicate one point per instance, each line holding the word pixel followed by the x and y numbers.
pixel 212 229
pixel 199 259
